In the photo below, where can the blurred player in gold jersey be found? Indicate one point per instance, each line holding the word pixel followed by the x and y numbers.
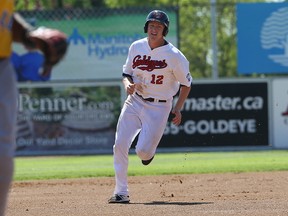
pixel 8 98
pixel 12 28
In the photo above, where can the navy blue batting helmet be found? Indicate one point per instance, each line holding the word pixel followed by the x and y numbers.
pixel 159 16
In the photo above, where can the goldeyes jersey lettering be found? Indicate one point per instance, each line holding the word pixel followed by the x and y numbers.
pixel 146 63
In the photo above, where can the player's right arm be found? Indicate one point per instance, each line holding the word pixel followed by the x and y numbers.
pixel 128 83
pixel 130 86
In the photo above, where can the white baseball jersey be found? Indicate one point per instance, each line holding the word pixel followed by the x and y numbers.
pixel 160 70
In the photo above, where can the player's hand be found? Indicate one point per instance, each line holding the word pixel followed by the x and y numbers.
pixel 177 117
pixel 139 87
pixel 130 88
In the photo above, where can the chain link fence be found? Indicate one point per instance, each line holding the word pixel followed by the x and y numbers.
pixel 190 30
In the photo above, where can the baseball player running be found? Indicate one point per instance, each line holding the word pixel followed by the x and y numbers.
pixel 14 28
pixel 153 72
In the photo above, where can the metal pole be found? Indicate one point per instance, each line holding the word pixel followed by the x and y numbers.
pixel 214 39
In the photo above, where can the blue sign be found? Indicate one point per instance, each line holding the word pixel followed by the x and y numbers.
pixel 262 38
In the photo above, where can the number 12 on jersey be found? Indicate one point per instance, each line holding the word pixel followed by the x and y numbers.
pixel 157 79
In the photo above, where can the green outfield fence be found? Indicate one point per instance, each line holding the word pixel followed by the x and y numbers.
pixel 191 26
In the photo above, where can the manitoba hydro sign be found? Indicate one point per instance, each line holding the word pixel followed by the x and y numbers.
pixel 98 46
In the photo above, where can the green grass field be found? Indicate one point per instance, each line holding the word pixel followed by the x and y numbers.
pixel 63 167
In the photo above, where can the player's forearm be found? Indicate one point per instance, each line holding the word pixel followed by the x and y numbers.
pixel 183 94
pixel 20 28
pixel 127 81
pixel 128 85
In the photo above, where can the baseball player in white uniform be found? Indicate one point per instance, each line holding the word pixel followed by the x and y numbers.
pixel 153 73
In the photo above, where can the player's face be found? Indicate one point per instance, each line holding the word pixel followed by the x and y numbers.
pixel 155 30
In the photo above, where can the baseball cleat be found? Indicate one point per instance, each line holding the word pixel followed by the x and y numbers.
pixel 117 198
pixel 146 162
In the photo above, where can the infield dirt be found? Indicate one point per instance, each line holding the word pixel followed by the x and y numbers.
pixel 231 194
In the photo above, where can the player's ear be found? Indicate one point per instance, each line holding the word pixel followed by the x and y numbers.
pixel 165 31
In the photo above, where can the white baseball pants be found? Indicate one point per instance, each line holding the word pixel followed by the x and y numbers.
pixel 137 115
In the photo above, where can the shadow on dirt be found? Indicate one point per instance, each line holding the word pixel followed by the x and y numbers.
pixel 175 203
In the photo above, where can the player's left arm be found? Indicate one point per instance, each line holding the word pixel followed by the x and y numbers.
pixel 183 94
pixel 183 75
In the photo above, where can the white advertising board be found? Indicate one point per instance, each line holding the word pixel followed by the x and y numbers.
pixel 280 112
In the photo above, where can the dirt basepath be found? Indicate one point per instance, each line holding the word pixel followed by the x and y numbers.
pixel 253 194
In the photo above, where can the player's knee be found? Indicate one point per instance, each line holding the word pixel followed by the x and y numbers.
pixel 143 153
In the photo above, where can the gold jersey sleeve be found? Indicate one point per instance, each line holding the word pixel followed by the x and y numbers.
pixel 6 12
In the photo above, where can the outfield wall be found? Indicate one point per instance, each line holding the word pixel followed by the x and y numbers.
pixel 80 117
pixel 223 113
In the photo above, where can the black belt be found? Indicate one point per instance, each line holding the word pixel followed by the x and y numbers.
pixel 151 99
pixel 2 59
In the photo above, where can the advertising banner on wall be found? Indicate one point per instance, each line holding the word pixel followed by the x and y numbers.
pixel 67 118
pixel 99 41
pixel 262 38
pixel 222 114
pixel 280 112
